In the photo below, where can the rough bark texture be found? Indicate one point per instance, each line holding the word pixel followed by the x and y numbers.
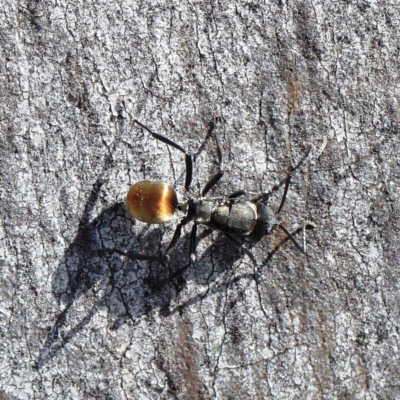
pixel 277 77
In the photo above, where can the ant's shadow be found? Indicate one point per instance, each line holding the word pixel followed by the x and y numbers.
pixel 93 268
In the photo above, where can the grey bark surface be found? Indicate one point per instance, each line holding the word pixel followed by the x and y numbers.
pixel 277 77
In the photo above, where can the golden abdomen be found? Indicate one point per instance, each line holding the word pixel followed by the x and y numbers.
pixel 151 202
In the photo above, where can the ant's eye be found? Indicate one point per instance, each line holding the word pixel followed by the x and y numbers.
pixel 151 202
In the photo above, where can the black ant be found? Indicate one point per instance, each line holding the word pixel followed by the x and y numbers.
pixel 156 203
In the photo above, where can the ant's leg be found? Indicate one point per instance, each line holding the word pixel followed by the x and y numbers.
pixel 299 164
pixel 188 157
pixel 304 159
pixel 192 260
pixel 175 275
pixel 175 238
pixel 236 194
pixel 264 196
pixel 239 193
pixel 287 182
pixel 214 180
pixel 306 225
pixel 289 177
pixel 177 233
pixel 289 235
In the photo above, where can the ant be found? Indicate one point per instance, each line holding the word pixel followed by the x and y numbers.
pixel 156 203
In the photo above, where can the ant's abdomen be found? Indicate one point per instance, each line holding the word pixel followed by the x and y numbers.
pixel 151 202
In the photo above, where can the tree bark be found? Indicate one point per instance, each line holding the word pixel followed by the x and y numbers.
pixel 79 320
